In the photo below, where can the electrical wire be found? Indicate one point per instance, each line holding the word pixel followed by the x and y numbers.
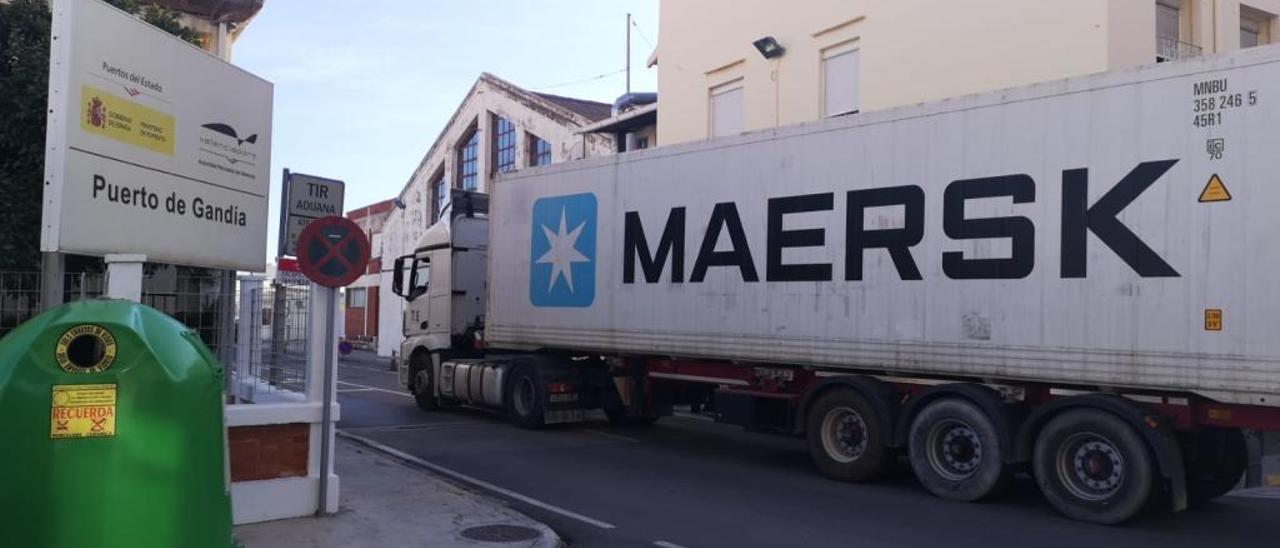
pixel 641 33
pixel 582 81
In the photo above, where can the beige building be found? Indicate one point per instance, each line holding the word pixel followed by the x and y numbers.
pixel 833 57
pixel 218 22
pixel 499 127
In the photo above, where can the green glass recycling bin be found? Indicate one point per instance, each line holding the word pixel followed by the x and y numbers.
pixel 111 432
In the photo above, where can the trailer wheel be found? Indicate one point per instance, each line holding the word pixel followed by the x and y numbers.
pixel 1220 458
pixel 1093 467
pixel 955 451
pixel 525 399
pixel 420 382
pixel 845 438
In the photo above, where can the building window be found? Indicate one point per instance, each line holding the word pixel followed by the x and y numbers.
pixel 642 143
pixel 440 195
pixel 1255 27
pixel 539 151
pixel 726 109
pixel 1172 31
pixel 504 145
pixel 467 153
pixel 356 297
pixel 840 79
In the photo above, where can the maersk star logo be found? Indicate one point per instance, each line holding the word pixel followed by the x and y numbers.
pixel 562 251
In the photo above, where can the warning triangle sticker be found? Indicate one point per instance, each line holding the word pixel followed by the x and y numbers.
pixel 1215 191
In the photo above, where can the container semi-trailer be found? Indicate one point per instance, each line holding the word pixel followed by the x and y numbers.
pixel 1076 278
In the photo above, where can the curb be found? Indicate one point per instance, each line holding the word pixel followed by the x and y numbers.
pixel 547 537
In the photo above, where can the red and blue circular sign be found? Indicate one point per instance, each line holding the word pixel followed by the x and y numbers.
pixel 333 251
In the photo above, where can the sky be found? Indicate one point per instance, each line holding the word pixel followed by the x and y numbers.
pixel 362 89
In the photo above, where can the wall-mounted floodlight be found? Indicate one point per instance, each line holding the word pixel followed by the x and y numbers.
pixel 399 203
pixel 768 47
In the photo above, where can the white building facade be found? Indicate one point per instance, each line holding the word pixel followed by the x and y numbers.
pixel 499 127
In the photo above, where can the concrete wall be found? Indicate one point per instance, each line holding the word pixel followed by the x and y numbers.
pixel 911 50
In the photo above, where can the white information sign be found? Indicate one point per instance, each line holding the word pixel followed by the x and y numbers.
pixel 306 199
pixel 154 146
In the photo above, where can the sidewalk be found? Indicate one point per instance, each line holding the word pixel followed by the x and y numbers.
pixel 388 503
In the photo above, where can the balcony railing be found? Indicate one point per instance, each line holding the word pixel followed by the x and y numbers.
pixel 1172 49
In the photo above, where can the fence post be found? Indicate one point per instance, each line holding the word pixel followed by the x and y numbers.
pixel 279 315
pixel 51 282
pixel 124 276
pixel 248 337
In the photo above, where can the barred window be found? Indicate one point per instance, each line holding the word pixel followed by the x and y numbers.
pixel 441 192
pixel 504 145
pixel 467 161
pixel 539 151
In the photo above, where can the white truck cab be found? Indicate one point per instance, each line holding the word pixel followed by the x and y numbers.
pixel 443 282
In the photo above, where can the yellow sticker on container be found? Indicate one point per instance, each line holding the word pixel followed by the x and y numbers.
pixel 85 348
pixel 83 411
pixel 1215 191
pixel 1213 319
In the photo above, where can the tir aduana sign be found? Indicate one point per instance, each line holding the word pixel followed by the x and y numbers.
pixel 154 146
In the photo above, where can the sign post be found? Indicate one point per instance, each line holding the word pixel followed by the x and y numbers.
pixel 332 252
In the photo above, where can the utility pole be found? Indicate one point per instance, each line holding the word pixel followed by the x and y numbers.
pixel 628 53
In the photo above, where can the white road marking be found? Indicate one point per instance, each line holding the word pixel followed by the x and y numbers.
pixel 611 435
pixel 396 392
pixel 476 481
pixel 345 390
pixel 404 427
pixel 665 544
pixel 388 371
pixel 695 416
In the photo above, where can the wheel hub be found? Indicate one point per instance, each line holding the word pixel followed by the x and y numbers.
pixel 844 434
pixel 1098 465
pixel 1092 468
pixel 955 449
pixel 524 397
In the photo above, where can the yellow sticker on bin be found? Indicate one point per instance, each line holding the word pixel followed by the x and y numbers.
pixel 83 411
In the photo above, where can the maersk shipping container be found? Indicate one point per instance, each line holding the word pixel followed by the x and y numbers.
pixel 1115 230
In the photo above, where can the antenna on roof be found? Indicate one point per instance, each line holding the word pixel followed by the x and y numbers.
pixel 628 53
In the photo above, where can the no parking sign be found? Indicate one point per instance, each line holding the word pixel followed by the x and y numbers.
pixel 333 251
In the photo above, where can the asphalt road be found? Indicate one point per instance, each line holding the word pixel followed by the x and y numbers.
pixel 687 482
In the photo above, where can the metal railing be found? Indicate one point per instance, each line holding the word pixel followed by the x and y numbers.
pixel 201 299
pixel 1172 49
pixel 279 339
pixel 20 294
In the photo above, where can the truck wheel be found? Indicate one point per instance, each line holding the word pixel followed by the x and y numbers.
pixel 525 399
pixel 1093 467
pixel 955 451
pixel 421 383
pixel 845 439
pixel 1220 459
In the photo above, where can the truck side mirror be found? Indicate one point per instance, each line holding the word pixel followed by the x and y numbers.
pixel 397 277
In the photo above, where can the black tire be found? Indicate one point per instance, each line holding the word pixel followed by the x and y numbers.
pixel 1094 467
pixel 955 451
pixel 1217 460
pixel 846 441
pixel 421 381
pixel 525 399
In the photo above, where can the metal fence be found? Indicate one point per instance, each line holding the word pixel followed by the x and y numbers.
pixel 260 339
pixel 1172 49
pixel 272 359
pixel 20 294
